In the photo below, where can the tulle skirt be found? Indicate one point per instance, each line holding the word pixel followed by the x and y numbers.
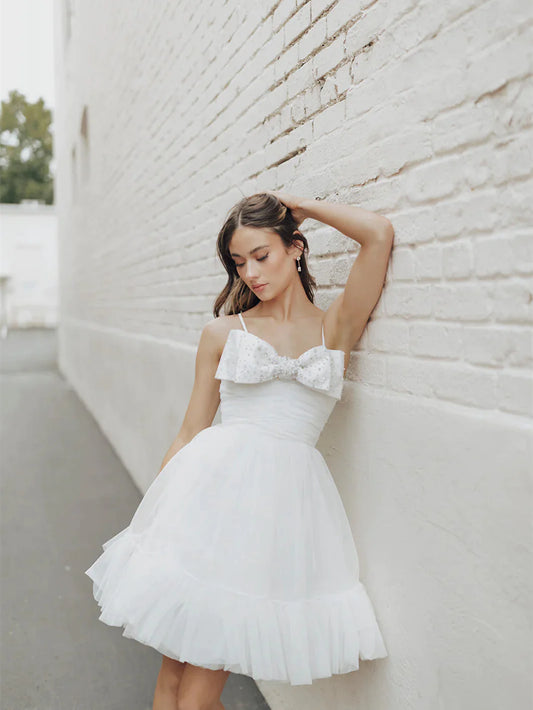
pixel 240 557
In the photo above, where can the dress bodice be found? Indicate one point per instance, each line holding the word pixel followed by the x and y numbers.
pixel 291 397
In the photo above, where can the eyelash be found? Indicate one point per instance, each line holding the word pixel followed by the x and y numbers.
pixel 261 259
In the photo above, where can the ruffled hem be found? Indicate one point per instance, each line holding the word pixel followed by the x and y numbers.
pixel 163 606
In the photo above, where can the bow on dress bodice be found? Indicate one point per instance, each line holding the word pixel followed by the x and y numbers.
pixel 247 358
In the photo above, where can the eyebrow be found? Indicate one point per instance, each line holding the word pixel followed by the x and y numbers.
pixel 233 253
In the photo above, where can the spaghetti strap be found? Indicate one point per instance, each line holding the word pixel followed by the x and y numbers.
pixel 242 321
pixel 323 341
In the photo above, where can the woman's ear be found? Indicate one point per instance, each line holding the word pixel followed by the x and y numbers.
pixel 300 246
pixel 297 234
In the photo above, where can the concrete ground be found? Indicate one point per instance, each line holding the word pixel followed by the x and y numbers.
pixel 63 493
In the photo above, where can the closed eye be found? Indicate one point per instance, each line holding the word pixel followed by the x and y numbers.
pixel 261 259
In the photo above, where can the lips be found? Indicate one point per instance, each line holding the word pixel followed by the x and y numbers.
pixel 258 287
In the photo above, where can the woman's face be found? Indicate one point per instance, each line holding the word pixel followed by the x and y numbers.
pixel 261 260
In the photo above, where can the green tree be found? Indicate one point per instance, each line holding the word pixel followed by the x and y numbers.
pixel 26 149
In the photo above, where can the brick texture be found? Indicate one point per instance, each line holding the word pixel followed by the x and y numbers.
pixel 417 110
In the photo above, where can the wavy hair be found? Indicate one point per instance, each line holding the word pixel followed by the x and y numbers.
pixel 259 210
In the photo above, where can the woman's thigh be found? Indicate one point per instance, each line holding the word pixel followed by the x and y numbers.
pixel 201 687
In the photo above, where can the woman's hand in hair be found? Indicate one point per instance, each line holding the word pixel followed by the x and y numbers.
pixel 293 203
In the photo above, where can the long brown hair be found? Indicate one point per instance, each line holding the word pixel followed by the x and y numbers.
pixel 259 210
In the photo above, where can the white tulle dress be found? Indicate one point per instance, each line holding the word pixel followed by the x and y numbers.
pixel 240 555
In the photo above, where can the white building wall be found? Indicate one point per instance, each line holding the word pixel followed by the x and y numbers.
pixel 417 110
pixel 28 265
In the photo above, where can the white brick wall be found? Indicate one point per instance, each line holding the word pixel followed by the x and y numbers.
pixel 417 110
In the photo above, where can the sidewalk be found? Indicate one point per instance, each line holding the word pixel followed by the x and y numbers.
pixel 63 493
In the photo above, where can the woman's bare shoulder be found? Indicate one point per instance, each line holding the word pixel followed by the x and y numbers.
pixel 216 330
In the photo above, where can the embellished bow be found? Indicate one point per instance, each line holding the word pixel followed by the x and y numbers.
pixel 258 361
pixel 247 358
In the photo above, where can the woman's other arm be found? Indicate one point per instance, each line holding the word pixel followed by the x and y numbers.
pixel 205 395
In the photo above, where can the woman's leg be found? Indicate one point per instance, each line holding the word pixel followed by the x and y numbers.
pixel 168 680
pixel 200 688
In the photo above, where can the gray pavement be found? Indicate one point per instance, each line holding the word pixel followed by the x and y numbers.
pixel 63 493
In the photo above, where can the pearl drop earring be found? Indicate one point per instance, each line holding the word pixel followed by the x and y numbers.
pixel 299 266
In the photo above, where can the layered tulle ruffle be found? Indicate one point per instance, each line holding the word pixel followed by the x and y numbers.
pixel 163 606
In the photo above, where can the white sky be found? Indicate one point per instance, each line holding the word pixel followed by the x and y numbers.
pixel 26 49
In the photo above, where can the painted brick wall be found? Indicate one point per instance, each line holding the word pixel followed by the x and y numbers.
pixel 419 110
pixel 415 110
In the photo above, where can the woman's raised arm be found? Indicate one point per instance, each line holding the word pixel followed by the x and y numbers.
pixel 348 314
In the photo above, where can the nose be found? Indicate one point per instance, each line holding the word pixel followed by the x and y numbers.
pixel 251 270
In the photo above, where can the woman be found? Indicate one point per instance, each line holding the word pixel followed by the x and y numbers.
pixel 240 555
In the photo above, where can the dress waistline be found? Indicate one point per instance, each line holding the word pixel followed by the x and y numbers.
pixel 262 428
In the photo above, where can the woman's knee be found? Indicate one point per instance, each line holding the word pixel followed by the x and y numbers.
pixel 201 688
pixel 171 672
pixel 193 703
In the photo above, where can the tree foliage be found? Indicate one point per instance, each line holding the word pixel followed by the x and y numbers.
pixel 26 149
